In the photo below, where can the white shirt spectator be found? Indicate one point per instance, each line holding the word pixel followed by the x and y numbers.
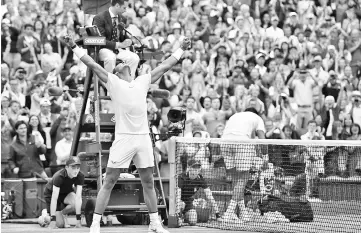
pixel 197 119
pixel 303 91
pixel 275 34
pixel 15 96
pixel 62 151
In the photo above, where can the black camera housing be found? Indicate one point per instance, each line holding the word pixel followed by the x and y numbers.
pixel 176 114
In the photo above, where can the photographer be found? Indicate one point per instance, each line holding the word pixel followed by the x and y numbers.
pixel 273 130
pixel 331 88
pixel 286 110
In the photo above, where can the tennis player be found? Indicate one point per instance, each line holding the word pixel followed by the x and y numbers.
pixel 239 159
pixel 132 140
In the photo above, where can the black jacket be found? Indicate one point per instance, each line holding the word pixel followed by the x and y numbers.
pixel 105 25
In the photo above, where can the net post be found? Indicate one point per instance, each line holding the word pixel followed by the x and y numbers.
pixel 172 217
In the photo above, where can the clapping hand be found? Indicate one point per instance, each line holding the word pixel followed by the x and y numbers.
pixel 186 43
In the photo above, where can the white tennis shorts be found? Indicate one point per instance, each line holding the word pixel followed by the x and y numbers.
pixel 239 156
pixel 128 147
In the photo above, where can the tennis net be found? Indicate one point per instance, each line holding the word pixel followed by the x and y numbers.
pixel 307 186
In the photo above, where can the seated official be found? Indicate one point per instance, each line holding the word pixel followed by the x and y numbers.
pixel 116 39
pixel 65 188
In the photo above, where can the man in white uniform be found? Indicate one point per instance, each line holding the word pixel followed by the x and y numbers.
pixel 238 158
pixel 132 140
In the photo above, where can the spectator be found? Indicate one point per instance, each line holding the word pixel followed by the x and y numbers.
pixel 329 113
pixel 312 133
pixel 6 140
pixel 9 38
pixel 29 47
pixel 63 147
pixel 192 117
pixel 355 110
pixel 51 60
pixel 46 117
pixel 289 133
pixel 14 112
pixel 25 153
pixel 14 93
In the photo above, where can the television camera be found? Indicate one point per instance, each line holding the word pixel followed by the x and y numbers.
pixel 177 118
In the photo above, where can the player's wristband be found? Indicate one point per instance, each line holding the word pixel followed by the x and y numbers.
pixel 53 218
pixel 178 54
pixel 78 217
pixel 79 52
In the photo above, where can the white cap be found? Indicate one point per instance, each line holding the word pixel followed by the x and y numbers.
pixel 259 55
pixel 177 26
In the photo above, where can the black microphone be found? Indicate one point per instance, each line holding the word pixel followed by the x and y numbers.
pixel 159 93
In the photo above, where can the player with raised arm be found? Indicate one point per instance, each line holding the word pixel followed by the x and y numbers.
pixel 132 140
pixel 238 161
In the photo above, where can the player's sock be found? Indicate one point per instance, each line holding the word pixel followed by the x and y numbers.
pixel 97 217
pixel 154 217
pixel 232 206
pixel 244 212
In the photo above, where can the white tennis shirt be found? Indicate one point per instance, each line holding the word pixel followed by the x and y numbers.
pixel 129 103
pixel 243 125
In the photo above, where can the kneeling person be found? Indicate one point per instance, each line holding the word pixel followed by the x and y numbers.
pixel 65 187
pixel 189 184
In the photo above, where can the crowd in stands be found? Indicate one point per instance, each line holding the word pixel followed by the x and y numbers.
pixel 297 62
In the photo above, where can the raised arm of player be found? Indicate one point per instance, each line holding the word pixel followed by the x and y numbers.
pixel 171 61
pixel 87 60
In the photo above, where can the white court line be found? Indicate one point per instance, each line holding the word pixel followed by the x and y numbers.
pixel 15 229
